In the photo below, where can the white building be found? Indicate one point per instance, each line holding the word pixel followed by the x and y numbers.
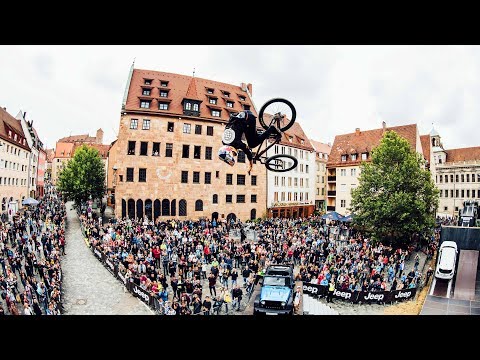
pixel 34 144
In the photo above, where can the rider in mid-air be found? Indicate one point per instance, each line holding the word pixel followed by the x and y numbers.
pixel 244 122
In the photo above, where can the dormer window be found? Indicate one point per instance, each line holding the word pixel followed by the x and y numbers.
pixel 302 141
pixel 212 101
pixel 364 156
pixel 226 94
pixel 146 92
pixel 148 81
pixel 216 113
pixel 344 157
pixel 188 105
pixel 15 137
pixel 163 83
pixel 9 133
pixel 354 157
pixel 195 107
pixel 290 138
pixel 246 107
pixel 163 94
pixel 209 91
pixel 242 98
pixel 145 104
pixel 229 104
pixel 162 106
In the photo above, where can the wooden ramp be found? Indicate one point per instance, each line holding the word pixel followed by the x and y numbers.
pixel 466 275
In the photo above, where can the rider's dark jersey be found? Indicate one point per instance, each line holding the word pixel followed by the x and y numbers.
pixel 242 126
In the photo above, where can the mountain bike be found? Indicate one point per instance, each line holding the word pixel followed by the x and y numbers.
pixel 282 114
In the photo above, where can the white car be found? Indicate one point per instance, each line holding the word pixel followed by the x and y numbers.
pixel 447 259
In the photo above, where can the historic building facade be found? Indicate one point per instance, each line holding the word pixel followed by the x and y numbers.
pixel 322 152
pixel 164 164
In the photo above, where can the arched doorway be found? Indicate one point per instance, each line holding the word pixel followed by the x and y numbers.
pixel 166 207
pixel 156 209
pixel 231 217
pixel 131 209
pixel 140 209
pixel 253 214
pixel 124 208
pixel 173 206
pixel 182 208
pixel 199 205
pixel 148 209
pixel 215 216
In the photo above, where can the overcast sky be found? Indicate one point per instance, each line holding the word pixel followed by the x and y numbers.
pixel 77 89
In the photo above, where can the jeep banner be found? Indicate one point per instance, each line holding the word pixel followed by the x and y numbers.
pixel 345 295
pixel 400 295
pixel 313 289
pixel 122 278
pixel 140 293
pixel 110 265
pixel 98 254
pixel 373 297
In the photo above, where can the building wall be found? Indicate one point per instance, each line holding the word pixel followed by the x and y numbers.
pixel 42 159
pixel 300 194
pixel 347 180
pixel 320 184
pixel 57 165
pixel 11 164
pixel 163 180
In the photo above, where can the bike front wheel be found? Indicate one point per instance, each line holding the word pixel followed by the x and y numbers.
pixel 279 107
pixel 281 163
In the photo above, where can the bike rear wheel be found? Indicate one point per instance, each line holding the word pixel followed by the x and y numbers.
pixel 279 106
pixel 281 163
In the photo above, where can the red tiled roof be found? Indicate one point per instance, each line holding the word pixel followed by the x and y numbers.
pixel 9 123
pixel 180 86
pixel 50 154
pixel 425 139
pixel 463 154
pixel 64 150
pixel 364 141
pixel 321 147
pixel 102 149
pixel 78 138
pixel 295 132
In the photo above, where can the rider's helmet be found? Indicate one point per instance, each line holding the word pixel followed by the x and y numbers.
pixel 227 153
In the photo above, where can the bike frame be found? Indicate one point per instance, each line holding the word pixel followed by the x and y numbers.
pixel 259 155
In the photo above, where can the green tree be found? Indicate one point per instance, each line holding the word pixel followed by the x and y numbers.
pixel 84 176
pixel 396 196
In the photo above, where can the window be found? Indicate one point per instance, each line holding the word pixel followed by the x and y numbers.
pixel 217 174
pixel 209 91
pixel 170 127
pixel 197 152
pixel 131 148
pixel 306 183
pixel 226 94
pixel 276 180
pixel 463 193
pixel 451 178
pixel 446 178
pixel 301 168
pixel 354 157
pixel 229 179
pixel 254 180
pixel 456 178
pixel 295 196
pixel 184 177
pixel 301 154
pixel 323 179
pixel 163 83
pixel 143 148
pixel 473 193
pixel 240 179
pixel 364 156
pixel 196 177
pixel 208 153
pixel 301 182
pixel 441 193
pixel 210 130
pixel 198 129
pixel 323 191
pixel 306 168
pixel 195 107
pixel 283 180
pixel 120 178
pixel 208 178
pixel 451 193
pixel 344 157
pixel 156 149
pixel 229 104
pixel 463 178
pixel 241 157
pixel 253 198
pixel 146 92
pixel 473 178
pixel 169 150
pixel 186 151
pixel 282 196
pixel 295 182
pixel 228 199
pixel 162 106
pixel 216 113
pixel 188 105
pixel 148 82
pixel 456 193
pixel 242 98
pixel 468 177
pixel 212 101
pixel 240 199
pixel 246 107
pixel 145 104
pixel 215 199
pixel 146 124
pixel 343 172
pixel 342 203
pixel 301 196
pixel 133 124
pixel 129 174
pixel 276 149
pixel 468 193
pixel 199 205
pixel 353 172
pixel 187 128
pixel 441 178
pixel 164 94
pixel 182 208
pixel 446 193
pixel 142 175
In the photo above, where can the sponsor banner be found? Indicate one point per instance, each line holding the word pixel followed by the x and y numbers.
pixel 400 295
pixel 373 296
pixel 140 293
pixel 98 254
pixel 312 289
pixel 122 278
pixel 110 265
pixel 345 295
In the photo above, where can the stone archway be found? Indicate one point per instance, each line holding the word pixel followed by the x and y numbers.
pixel 231 217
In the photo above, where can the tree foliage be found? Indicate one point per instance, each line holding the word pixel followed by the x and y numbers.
pixel 84 176
pixel 396 196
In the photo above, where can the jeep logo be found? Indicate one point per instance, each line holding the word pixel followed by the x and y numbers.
pixel 405 295
pixel 141 294
pixel 310 289
pixel 370 296
pixel 342 294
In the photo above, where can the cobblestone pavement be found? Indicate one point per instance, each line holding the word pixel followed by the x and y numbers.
pixel 89 289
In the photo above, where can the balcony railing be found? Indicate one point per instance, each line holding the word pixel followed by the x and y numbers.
pixel 332 193
pixel 332 178
pixel 330 208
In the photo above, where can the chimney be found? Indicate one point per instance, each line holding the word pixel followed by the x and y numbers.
pixel 384 126
pixel 99 137
pixel 249 87
pixel 357 131
pixel 243 86
pixel 4 108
